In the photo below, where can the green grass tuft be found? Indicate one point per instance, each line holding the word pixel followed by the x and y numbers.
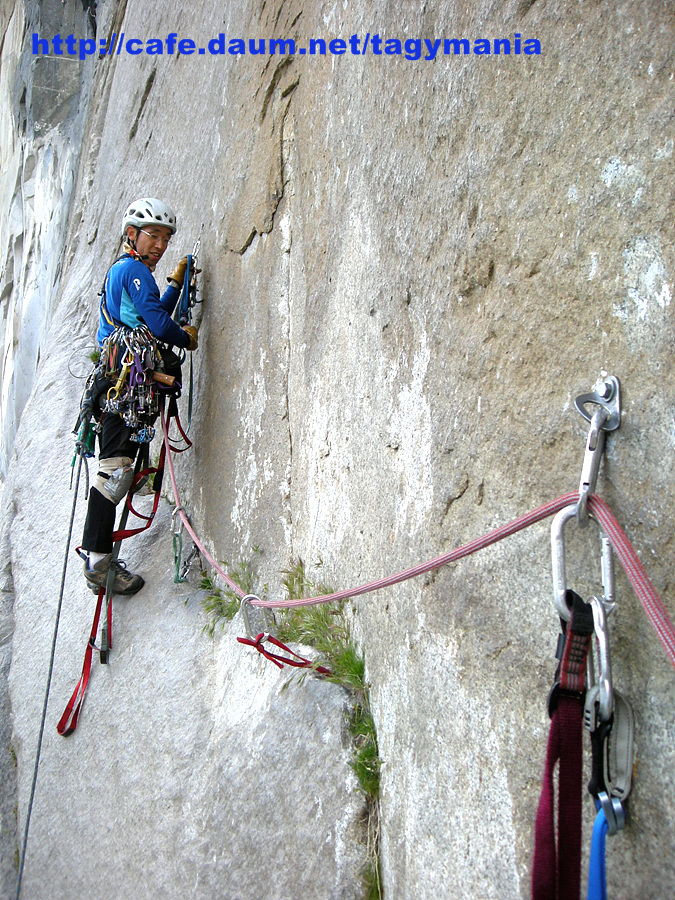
pixel 222 604
pixel 325 627
pixel 366 762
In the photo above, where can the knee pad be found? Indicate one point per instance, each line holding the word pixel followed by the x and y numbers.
pixel 114 477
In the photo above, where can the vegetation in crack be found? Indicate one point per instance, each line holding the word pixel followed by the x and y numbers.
pixel 221 604
pixel 326 628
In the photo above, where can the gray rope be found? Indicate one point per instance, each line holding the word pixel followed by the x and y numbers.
pixel 49 678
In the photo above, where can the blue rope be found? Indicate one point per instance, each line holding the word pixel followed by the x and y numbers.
pixel 597 876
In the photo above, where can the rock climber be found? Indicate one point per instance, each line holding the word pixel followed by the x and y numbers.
pixel 130 297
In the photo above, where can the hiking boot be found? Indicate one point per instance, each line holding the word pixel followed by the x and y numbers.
pixel 126 583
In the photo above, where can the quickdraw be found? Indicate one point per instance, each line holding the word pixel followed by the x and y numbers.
pixel 258 641
pixel 556 872
pixel 609 719
pixel 183 315
pixel 181 567
pixel 578 697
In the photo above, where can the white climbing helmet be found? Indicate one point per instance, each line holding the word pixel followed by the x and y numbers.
pixel 149 211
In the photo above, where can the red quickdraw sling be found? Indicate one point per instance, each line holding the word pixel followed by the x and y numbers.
pixel 299 662
pixel 556 873
pixel 68 722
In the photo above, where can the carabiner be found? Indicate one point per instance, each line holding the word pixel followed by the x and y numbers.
pixel 177 527
pixel 245 606
pixel 558 561
pixel 595 444
pixel 606 397
pixel 604 679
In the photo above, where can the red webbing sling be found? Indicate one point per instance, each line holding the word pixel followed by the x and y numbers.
pixel 68 722
pixel 299 662
pixel 556 873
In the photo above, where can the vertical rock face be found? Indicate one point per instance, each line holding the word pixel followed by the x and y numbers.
pixel 42 121
pixel 411 268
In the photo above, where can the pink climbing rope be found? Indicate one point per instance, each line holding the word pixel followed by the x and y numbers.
pixel 628 558
pixel 184 519
pixel 645 590
pixel 474 546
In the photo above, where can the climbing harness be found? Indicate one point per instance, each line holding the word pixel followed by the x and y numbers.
pixel 131 360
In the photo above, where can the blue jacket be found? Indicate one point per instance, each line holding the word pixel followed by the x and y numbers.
pixel 131 297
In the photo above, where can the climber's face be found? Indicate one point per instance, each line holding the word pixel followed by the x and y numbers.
pixel 151 242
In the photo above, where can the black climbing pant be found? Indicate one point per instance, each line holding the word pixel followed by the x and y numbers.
pixel 114 440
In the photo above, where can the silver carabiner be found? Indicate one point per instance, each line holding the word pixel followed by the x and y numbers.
pixel 606 397
pixel 595 444
pixel 177 521
pixel 245 606
pixel 558 563
pixel 604 679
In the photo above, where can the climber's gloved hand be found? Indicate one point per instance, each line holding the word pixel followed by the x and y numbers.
pixel 191 331
pixel 178 273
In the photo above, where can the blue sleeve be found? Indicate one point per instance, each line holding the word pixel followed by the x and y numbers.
pixel 169 298
pixel 142 290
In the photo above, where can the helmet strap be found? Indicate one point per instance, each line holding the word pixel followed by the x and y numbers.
pixel 131 243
